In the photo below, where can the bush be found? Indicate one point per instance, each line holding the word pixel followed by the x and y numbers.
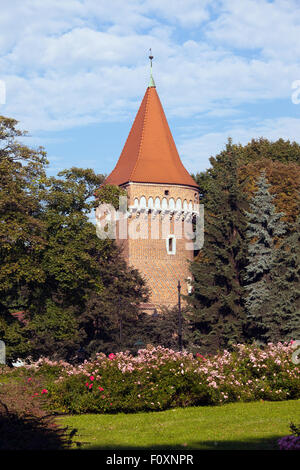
pixel 159 378
pixel 24 423
pixel 291 442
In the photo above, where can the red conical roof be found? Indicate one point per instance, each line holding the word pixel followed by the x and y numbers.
pixel 149 154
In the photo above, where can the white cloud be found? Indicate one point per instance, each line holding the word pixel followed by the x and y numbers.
pixel 68 63
pixel 272 27
pixel 195 152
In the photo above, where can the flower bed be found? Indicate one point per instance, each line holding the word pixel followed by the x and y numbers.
pixel 158 379
pixel 291 442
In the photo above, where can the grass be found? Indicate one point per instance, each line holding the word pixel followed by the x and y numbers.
pixel 235 426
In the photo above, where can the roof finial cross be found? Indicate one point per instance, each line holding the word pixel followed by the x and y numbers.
pixel 151 57
pixel 152 83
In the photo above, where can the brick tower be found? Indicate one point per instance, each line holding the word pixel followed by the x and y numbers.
pixel 161 203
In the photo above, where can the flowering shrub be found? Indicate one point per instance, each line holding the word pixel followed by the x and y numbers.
pixel 159 378
pixel 291 442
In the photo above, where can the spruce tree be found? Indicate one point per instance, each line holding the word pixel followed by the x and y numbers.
pixel 216 301
pixel 285 302
pixel 264 229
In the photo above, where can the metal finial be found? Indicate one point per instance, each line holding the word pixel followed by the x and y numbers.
pixel 152 83
pixel 151 57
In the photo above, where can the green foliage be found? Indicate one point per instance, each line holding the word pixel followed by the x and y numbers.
pixel 263 229
pixel 110 194
pixel 285 276
pixel 216 301
pixel 280 161
pixel 55 330
pixel 158 379
pixel 280 150
pixel 53 266
pixel 22 175
pixel 158 330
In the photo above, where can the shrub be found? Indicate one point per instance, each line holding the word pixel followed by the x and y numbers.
pixel 24 423
pixel 291 442
pixel 159 378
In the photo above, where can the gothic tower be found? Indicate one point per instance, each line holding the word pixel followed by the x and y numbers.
pixel 162 199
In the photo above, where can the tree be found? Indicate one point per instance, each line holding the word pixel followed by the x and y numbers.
pixel 280 150
pixel 22 175
pixel 84 274
pixel 52 262
pixel 216 301
pixel 284 180
pixel 22 237
pixel 264 228
pixel 110 318
pixel 284 310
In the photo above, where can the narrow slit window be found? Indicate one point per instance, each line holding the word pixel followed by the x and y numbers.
pixel 171 245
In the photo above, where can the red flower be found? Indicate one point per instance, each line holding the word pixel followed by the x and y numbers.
pixel 92 377
pixel 87 384
pixel 44 391
pixel 111 356
pixel 101 389
pixel 200 355
pixel 90 386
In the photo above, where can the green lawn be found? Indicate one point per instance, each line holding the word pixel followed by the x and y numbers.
pixel 255 425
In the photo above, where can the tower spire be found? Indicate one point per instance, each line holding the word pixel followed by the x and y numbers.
pixel 151 83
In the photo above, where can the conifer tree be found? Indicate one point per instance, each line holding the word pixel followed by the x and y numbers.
pixel 264 228
pixel 216 301
pixel 285 303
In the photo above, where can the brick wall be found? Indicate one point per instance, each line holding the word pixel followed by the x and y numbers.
pixel 150 256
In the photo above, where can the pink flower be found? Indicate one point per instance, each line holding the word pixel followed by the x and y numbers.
pixel 101 389
pixel 90 386
pixel 44 391
pixel 92 377
pixel 111 356
pixel 28 380
pixel 87 384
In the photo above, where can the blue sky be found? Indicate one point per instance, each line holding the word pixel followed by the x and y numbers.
pixel 76 72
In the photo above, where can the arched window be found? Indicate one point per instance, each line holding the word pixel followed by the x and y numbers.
pixel 150 203
pixel 157 203
pixel 190 206
pixel 171 204
pixel 143 203
pixel 164 204
pixel 136 203
pixel 185 205
pixel 178 204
